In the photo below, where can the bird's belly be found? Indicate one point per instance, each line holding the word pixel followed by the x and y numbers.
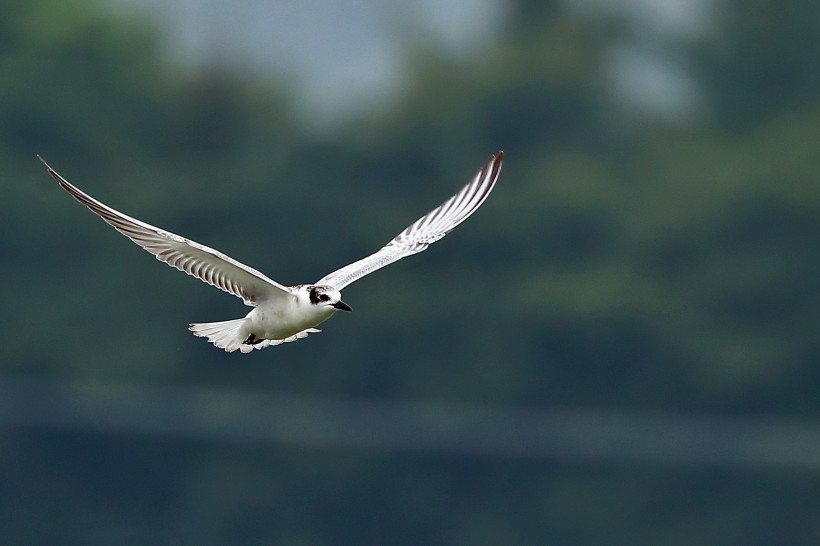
pixel 280 324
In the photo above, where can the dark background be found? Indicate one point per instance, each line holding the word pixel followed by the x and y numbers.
pixel 621 347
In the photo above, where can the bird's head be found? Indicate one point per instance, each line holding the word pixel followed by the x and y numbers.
pixel 326 296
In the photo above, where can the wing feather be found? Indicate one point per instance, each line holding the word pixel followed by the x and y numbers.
pixel 426 230
pixel 200 261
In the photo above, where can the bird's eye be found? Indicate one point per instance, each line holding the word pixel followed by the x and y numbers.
pixel 324 297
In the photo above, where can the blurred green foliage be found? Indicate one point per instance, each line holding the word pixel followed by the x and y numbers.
pixel 622 262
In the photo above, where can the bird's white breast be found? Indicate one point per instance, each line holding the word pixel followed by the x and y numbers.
pixel 282 318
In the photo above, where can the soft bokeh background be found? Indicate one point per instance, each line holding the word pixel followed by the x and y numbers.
pixel 620 348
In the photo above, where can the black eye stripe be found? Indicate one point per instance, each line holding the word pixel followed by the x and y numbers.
pixel 316 296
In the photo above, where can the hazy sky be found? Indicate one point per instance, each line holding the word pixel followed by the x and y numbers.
pixel 344 55
pixel 340 54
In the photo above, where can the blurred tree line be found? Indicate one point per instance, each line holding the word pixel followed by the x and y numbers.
pixel 625 260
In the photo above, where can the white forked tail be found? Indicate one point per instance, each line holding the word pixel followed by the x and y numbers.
pixel 225 335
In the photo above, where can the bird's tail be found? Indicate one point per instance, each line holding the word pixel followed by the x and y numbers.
pixel 226 335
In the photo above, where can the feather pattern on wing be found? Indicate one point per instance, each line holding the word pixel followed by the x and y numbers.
pixel 200 261
pixel 426 230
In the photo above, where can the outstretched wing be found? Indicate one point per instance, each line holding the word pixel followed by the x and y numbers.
pixel 426 230
pixel 200 261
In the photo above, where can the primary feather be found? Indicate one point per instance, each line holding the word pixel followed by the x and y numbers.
pixel 200 261
pixel 426 230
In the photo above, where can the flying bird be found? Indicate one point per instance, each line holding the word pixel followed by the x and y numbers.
pixel 285 313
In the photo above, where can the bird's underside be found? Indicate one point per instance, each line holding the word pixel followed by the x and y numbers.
pixel 225 336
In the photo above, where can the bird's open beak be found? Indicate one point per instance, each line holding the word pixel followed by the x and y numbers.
pixel 342 306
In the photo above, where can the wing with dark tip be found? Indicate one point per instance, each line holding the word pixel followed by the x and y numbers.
pixel 426 230
pixel 200 261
